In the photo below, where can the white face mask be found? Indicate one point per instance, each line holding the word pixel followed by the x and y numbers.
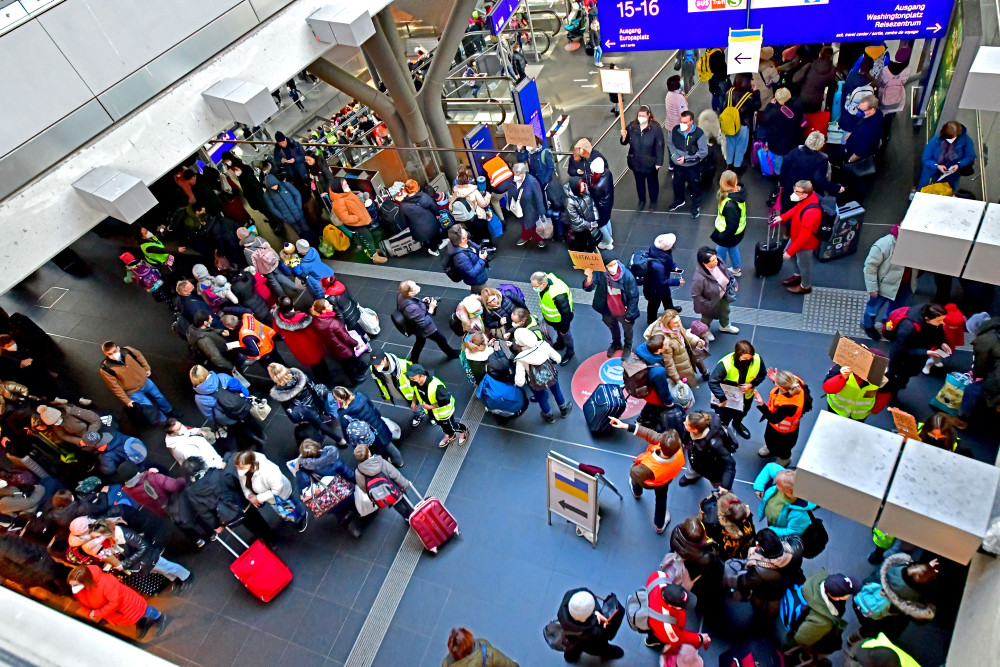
pixel 76 589
pixel 685 127
pixel 643 120
pixel 237 172
pixel 952 140
pixel 12 347
pixel 612 268
pixel 795 196
pixel 117 356
pixel 416 290
pixel 519 178
pixel 148 234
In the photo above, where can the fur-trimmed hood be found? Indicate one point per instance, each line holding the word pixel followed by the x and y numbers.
pixel 899 592
pixel 296 322
pixel 287 392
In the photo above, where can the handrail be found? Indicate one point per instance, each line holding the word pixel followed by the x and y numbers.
pixel 399 148
pixel 636 97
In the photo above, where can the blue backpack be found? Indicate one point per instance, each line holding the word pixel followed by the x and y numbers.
pixel 500 398
pixel 872 602
pixel 793 609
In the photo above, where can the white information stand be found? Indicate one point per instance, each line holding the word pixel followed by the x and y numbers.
pixel 572 494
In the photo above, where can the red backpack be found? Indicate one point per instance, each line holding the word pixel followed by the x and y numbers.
pixel 892 323
pixel 383 491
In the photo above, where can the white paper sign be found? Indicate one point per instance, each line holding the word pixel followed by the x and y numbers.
pixel 743 54
pixel 734 397
pixel 616 81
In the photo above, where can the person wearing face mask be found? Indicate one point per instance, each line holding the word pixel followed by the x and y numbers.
pixel 284 203
pixel 917 336
pixel 389 373
pixel 783 411
pixel 602 190
pixel 103 597
pixel 252 188
pixel 127 374
pixel 418 314
pixel 805 217
pixel 528 193
pixel 556 302
pixel 948 156
pixel 541 165
pixel 69 423
pixel 351 212
pixel 806 163
pixel 708 290
pixel 616 298
pixel 644 138
pixel 583 155
pixel 742 368
pixel 154 251
pixel 688 150
pixel 862 143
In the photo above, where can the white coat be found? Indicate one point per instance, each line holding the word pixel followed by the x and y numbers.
pixel 266 483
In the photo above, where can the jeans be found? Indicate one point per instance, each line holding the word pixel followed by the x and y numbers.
pixel 612 322
pixel 438 338
pixel 802 265
pixel 973 392
pixel 650 180
pixel 660 506
pixel 736 146
pixel 148 394
pixel 605 231
pixel 691 177
pixel 723 315
pixel 597 54
pixel 734 255
pixel 653 304
pixel 875 303
pixel 152 615
pixel 542 395
pixel 281 285
pixel 171 570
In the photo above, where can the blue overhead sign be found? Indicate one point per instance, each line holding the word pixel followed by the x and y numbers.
pixel 652 25
pixel 501 13
pixel 529 107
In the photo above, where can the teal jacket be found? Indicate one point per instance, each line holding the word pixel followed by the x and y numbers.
pixel 794 517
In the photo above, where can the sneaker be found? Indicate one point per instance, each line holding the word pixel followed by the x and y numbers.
pixel 446 440
pixel 84 401
pixel 652 642
pixel 462 437
pixel 199 543
pixel 763 452
pixel 521 242
pixel 641 206
pixel 709 336
pixel 729 330
pixel 541 244
pixel 566 359
pixel 179 586
pixel 564 410
pixel 635 495
pixel 737 272
pixel 342 444
pixel 626 352
pixel 598 64
pixel 695 212
pixel 614 347
pixel 604 246
pixel 433 253
pixel 547 416
pixel 443 243
pixel 677 205
pixel 666 522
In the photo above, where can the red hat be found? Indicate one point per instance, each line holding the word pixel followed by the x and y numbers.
pixel 126 257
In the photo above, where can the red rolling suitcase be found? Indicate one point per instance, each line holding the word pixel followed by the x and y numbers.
pixel 258 568
pixel 432 523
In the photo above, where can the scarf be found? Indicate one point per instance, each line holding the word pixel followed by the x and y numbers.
pixel 757 559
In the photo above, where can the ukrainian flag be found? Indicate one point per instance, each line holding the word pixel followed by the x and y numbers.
pixel 575 488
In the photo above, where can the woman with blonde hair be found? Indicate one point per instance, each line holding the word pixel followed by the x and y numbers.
pixel 262 483
pixel 783 411
pixel 470 313
pixel 498 306
pixel 305 402
pixel 731 221
pixel 225 403
pixel 684 350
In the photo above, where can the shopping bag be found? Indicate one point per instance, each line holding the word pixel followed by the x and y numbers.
pixel 260 408
pixel 362 503
pixel 942 189
pixel 949 398
pixel 369 321
pixel 394 429
pixel 336 237
pixel 326 493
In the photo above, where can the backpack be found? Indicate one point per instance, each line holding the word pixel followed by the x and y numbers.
pixel 793 608
pixel 872 602
pixel 896 317
pixel 639 266
pixel 893 92
pixel 635 372
pixel 451 270
pixel 541 376
pixel 264 260
pixel 180 326
pixel 461 210
pixel 729 119
pixel 704 69
pixel 829 213
pixel 814 538
pixel 512 292
pixel 383 491
pixel 401 323
pixel 388 215
pixel 231 404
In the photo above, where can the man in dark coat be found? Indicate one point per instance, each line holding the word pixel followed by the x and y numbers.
pixel 290 157
pixel 807 163
pixel 418 315
pixel 528 192
pixel 656 286
pixel 616 298
pixel 244 173
pixel 917 336
pixel 466 258
pixel 243 285
pixel 585 628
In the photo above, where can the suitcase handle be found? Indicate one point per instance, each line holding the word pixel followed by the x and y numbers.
pixel 408 501
pixel 218 538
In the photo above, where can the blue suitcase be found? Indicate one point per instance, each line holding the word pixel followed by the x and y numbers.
pixel 501 399
pixel 607 400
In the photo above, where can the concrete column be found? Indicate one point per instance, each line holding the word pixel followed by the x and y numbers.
pixel 385 23
pixel 362 92
pixel 430 92
pixel 371 70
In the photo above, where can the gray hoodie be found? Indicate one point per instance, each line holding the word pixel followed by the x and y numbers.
pixel 376 466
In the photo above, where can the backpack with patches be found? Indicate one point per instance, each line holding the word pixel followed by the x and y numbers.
pixel 704 69
pixel 892 322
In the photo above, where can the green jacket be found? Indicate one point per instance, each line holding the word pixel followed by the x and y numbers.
pixel 494 658
pixel 820 622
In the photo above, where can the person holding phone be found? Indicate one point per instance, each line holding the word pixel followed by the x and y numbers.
pixel 419 315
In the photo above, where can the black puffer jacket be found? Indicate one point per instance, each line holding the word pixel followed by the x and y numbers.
pixel 769 578
pixel 645 146
pixel 243 287
pixel 140 555
pixel 211 501
pixel 603 194
pixel 491 318
pixel 575 631
pixel 416 313
pixel 300 398
pixel 420 215
pixel 27 563
pixel 345 305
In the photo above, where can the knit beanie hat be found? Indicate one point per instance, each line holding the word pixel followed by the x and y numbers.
pixel 279 137
pixel 973 323
pixel 597 166
pixel 302 246
pixel 50 415
pixel 199 271
pixel 79 526
pixel 581 606
pixel 769 543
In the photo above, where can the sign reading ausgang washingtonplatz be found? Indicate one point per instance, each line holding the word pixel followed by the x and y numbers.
pixel 651 25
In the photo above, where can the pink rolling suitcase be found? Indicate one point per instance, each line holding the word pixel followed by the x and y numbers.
pixel 432 523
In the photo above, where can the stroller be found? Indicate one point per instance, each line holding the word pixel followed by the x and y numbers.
pixel 576 28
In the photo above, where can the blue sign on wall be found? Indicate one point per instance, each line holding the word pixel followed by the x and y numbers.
pixel 481 138
pixel 501 13
pixel 529 107
pixel 650 25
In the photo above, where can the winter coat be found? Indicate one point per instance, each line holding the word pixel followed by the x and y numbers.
pixel 706 293
pixel 162 486
pixel 362 409
pixel 292 151
pixel 904 599
pixel 986 359
pixel 965 156
pixel 110 599
pixel 766 78
pixel 252 189
pixel 491 318
pixel 577 632
pixel 285 203
pixel 821 621
pixel 805 225
pixel 541 164
pixel 327 464
pixel 783 132
pixel 302 400
pixel 864 140
pixel 535 356
pixel 416 313
pixel 376 466
pixel 252 244
pixel 212 345
pixel 311 264
pixel 75 423
pixel 470 193
pixel 27 563
pixel 805 164
pixel 676 102
pixel 881 275
pixel 206 402
pixel 699 558
pixel 532 200
pixel 320 176
pixel 349 210
pixel 581 168
pixel 266 483
pixel 603 194
pixel 209 502
pixel 333 334
pixel 494 658
pixel 419 213
pixel 815 77
pixel 794 517
pixel 768 578
pixel 914 337
pixel 190 442
pixel 645 147
pixel 467 261
pixel 731 214
pixel 302 339
pixel 126 376
pixel 677 359
pixel 139 555
pixel 244 287
pixel 345 305
pixel 658 281
pixel 709 455
pixel 580 210
pixel 630 292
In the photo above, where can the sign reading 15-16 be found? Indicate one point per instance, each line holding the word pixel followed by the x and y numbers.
pixel 650 25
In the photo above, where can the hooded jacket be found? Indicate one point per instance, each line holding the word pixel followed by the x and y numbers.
pixel 349 210
pixel 212 345
pixel 578 632
pixel 253 243
pixel 794 517
pixel 580 210
pixel 986 359
pixel 805 224
pixel 731 214
pixel 470 192
pixel 111 600
pixel 815 77
pixel 213 499
pixel 903 597
pixel 416 313
pixel 206 402
pixel 603 194
pixel 75 423
pixel 302 339
pixel 333 335
pixel 419 214
pixel 162 486
pixel 768 578
pixel 881 275
pixel 658 281
pixel 630 292
pixel 823 619
pixel 709 455
pixel 292 151
pixel 541 165
pixel 493 657
pixel 914 337
pixel 345 305
pixel 580 168
pixel 965 156
pixel 14 502
pixel 327 464
pixel 362 409
pixel 700 559
pixel 284 203
pixel 706 292
pixel 467 261
pixel 376 466
pixel 266 483
pixel 535 356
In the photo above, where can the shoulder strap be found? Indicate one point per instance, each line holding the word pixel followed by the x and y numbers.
pixel 743 99
pixel 483 647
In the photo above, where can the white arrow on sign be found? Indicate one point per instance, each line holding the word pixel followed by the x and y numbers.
pixel 935 28
pixel 609 43
pixel 593 85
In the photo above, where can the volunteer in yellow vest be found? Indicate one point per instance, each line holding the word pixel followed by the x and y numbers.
pixel 252 339
pixel 432 394
pixel 655 468
pixel 731 220
pixel 878 651
pixel 556 302
pixel 744 369
pixel 389 373
pixel 850 395
pixel 782 411
pixel 154 251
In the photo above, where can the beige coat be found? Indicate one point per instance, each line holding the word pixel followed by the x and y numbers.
pixel 676 359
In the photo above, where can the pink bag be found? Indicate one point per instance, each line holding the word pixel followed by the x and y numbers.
pixel 754 158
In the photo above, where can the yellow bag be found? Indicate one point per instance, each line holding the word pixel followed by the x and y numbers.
pixel 942 189
pixel 336 238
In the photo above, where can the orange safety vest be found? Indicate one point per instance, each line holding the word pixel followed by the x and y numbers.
pixel 664 470
pixel 777 399
pixel 497 170
pixel 265 334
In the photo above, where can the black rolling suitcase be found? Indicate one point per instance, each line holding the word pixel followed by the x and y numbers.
pixel 846 233
pixel 767 254
pixel 607 400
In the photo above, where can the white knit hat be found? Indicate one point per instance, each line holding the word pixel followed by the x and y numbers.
pixel 302 246
pixel 524 337
pixel 582 604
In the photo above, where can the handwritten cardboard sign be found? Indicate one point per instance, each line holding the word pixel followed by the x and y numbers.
pixel 906 424
pixel 587 260
pixel 519 135
pixel 858 358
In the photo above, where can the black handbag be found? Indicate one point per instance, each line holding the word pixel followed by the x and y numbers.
pixel 860 168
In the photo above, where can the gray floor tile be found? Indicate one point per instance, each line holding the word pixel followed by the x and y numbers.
pixel 224 642
pixel 318 628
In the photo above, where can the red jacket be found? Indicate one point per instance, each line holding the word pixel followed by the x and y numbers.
pixel 111 600
pixel 301 338
pixel 804 225
pixel 334 336
pixel 954 326
pixel 673 635
pixel 163 486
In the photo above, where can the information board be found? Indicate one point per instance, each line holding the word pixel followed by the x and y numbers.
pixel 529 107
pixel 651 25
pixel 501 13
pixel 480 138
pixel 571 494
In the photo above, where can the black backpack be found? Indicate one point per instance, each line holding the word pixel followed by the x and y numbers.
pixel 231 404
pixel 830 213
pixel 401 323
pixel 814 538
pixel 450 269
pixel 388 215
